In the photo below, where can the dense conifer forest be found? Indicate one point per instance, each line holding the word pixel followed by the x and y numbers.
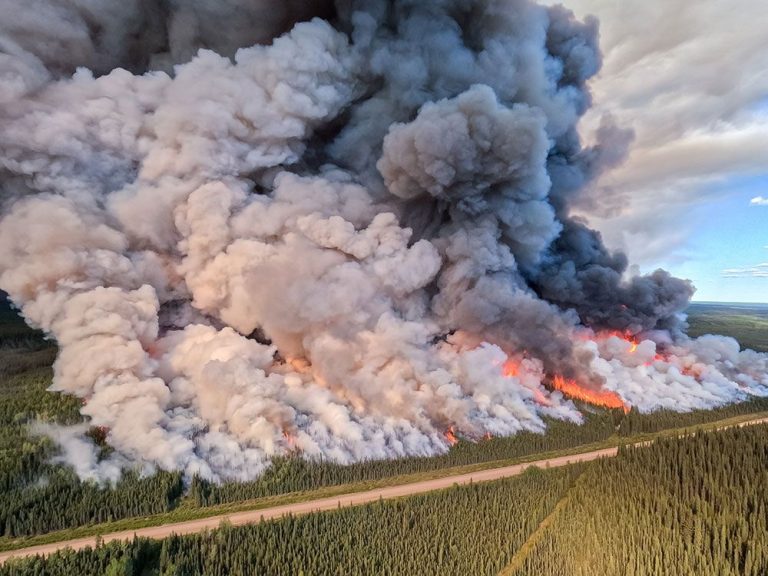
pixel 689 506
pixel 39 495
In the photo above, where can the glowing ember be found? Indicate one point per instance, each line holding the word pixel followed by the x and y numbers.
pixel 450 435
pixel 597 397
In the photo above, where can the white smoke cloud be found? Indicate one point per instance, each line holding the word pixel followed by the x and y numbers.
pixel 333 243
pixel 77 451
pixel 706 372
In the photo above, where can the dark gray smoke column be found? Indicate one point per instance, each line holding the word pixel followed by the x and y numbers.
pixel 480 166
pixel 344 241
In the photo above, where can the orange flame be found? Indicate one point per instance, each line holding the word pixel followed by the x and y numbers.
pixel 152 349
pixel 99 434
pixel 626 336
pixel 290 439
pixel 598 397
pixel 299 364
pixel 657 358
pixel 511 369
pixel 487 436
pixel 691 371
pixel 450 435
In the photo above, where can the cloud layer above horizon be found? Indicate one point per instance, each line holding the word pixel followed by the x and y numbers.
pixel 692 84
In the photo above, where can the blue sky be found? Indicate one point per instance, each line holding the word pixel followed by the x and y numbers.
pixel 728 242
pixel 691 80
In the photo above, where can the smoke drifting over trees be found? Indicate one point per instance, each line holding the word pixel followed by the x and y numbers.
pixel 342 236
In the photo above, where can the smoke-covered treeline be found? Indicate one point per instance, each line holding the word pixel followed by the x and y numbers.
pixel 689 506
pixel 341 237
pixel 294 474
pixel 40 494
pixel 37 494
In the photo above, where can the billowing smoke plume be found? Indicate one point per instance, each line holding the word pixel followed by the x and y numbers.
pixel 342 241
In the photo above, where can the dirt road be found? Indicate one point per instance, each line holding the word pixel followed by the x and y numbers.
pixel 332 503
pixel 319 505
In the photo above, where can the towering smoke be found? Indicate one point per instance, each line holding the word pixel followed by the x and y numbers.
pixel 340 230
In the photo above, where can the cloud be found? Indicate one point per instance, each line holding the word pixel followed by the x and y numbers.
pixel 692 84
pixel 759 201
pixel 758 271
